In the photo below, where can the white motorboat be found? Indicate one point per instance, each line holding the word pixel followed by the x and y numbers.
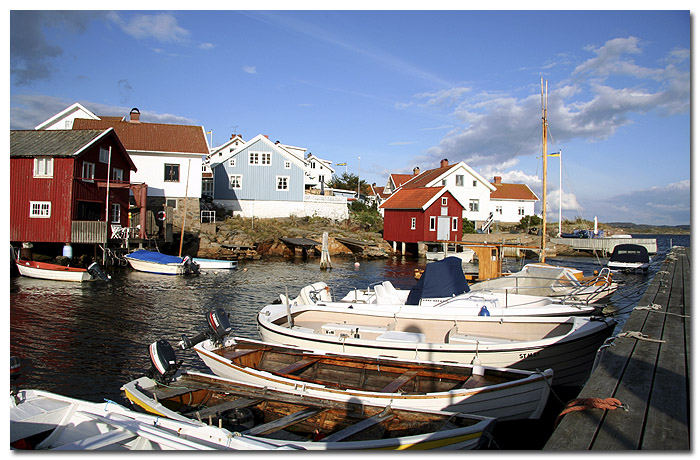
pixel 567 345
pixel 43 420
pixel 162 264
pixel 443 290
pixel 215 264
pixel 629 257
pixel 507 394
pixel 553 281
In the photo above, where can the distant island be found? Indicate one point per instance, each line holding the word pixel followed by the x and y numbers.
pixel 630 227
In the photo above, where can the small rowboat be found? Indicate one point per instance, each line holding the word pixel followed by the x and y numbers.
pixel 305 422
pixel 42 420
pixel 161 264
pixel 56 272
pixel 492 392
pixel 215 264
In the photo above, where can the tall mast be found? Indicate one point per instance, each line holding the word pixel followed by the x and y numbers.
pixel 543 97
pixel 561 192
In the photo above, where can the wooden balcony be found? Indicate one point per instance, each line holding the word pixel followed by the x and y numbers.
pixel 88 231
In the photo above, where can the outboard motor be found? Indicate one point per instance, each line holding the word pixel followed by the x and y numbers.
pixel 191 267
pixel 164 363
pixel 219 327
pixel 96 272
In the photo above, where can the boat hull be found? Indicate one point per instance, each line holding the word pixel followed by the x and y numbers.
pixel 52 272
pixel 517 399
pixel 215 264
pixel 570 355
pixel 154 267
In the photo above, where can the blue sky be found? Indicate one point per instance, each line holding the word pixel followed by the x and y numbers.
pixel 397 89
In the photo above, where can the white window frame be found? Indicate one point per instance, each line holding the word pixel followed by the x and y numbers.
pixel 433 220
pixel 43 167
pixel 459 180
pixel 499 210
pixel 236 181
pixel 283 181
pixel 265 158
pixel 165 166
pixel 232 161
pixel 88 173
pixel 254 158
pixel 208 187
pixel 413 223
pixel 521 211
pixel 444 201
pixel 40 209
pixel 287 164
pixel 473 183
pixel 117 174
pixel 473 205
pixel 116 213
pixel 104 155
pixel 454 224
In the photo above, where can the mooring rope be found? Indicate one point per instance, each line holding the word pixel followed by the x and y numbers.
pixel 580 404
pixel 639 336
pixel 656 308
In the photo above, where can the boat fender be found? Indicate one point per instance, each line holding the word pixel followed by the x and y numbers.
pixel 478 369
pixel 484 311
pixel 161 215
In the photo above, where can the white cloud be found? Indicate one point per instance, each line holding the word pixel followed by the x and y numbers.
pixel 206 46
pixel 250 69
pixel 402 143
pixel 162 27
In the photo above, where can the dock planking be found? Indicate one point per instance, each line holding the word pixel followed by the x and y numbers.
pixel 650 378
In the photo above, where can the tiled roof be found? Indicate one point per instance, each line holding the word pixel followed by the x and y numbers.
pixel 59 142
pixel 151 137
pixel 411 198
pixel 424 178
pixel 400 179
pixel 512 192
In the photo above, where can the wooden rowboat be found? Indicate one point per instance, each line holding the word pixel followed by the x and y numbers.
pixel 46 271
pixel 302 421
pixel 161 264
pixel 492 392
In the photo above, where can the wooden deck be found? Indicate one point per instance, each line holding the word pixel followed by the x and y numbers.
pixel 650 377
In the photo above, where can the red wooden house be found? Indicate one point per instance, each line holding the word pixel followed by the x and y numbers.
pixel 58 185
pixel 422 215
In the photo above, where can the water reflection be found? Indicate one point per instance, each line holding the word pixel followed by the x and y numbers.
pixel 86 340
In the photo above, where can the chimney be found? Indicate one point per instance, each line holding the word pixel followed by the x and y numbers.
pixel 496 180
pixel 134 115
pixel 416 171
pixel 233 136
pixel 444 163
pixel 266 136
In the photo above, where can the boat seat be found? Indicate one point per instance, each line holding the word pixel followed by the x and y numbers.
pixel 400 381
pixel 298 365
pixel 475 381
pixel 386 295
pixel 351 329
pixel 401 336
pixel 306 330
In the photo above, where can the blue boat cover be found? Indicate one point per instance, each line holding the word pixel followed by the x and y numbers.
pixel 153 256
pixel 443 278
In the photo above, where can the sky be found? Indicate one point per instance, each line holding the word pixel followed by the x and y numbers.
pixel 387 90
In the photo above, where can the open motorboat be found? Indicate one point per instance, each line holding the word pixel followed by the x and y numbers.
pixel 441 251
pixel 163 264
pixel 57 272
pixel 629 257
pixel 215 264
pixel 43 420
pixel 443 290
pixel 295 420
pixel 567 345
pixel 553 281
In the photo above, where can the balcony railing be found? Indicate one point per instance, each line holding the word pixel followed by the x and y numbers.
pixel 88 231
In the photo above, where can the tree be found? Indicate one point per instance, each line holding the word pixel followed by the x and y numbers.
pixel 348 181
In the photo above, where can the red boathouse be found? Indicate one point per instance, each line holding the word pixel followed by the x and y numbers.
pixel 58 185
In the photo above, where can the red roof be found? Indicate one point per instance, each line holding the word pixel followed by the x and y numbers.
pixel 400 179
pixel 512 192
pixel 412 198
pixel 151 137
pixel 424 178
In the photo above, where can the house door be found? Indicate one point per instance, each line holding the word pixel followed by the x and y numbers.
pixel 443 228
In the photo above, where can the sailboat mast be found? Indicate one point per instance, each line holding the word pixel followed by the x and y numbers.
pixel 543 97
pixel 561 192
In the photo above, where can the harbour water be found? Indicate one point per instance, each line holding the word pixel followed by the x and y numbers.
pixel 86 340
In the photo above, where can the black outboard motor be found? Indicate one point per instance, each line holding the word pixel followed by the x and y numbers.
pixel 219 327
pixel 96 272
pixel 163 360
pixel 191 267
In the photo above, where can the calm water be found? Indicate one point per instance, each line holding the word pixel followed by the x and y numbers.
pixel 87 340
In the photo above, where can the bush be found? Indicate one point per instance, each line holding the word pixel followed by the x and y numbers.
pixel 366 217
pixel 468 226
pixel 528 222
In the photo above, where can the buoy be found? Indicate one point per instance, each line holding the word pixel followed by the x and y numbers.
pixel 357 264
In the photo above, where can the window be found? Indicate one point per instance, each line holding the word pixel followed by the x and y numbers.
pixel 287 164
pixel 521 211
pixel 454 224
pixel 116 213
pixel 282 182
pixel 232 161
pixel 444 201
pixel 236 181
pixel 265 158
pixel 432 223
pixel 117 174
pixel 413 223
pixel 474 205
pixel 43 167
pixel 172 173
pixel 41 209
pixel 68 124
pixel 473 183
pixel 208 187
pixel 313 165
pixel 88 171
pixel 104 155
pixel 171 203
pixel 253 158
pixel 459 180
pixel 499 210
pixel 444 182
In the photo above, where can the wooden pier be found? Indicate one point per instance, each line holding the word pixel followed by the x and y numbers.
pixel 647 369
pixel 604 245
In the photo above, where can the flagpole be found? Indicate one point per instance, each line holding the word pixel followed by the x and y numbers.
pixel 109 163
pixel 560 193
